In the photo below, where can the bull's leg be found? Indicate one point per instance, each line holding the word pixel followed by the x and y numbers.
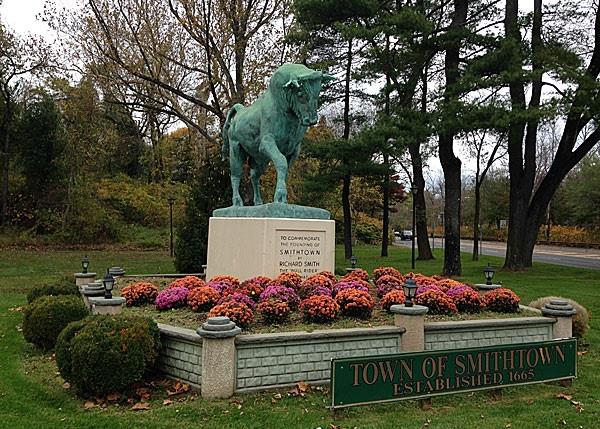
pixel 255 174
pixel 269 149
pixel 236 163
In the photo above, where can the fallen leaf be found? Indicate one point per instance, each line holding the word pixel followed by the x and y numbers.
pixel 178 388
pixel 144 393
pixel 508 425
pixel 562 395
pixel 277 396
pixel 167 402
pixel 89 405
pixel 113 397
pixel 302 387
pixel 582 353
pixel 563 422
pixel 141 406
pixel 66 385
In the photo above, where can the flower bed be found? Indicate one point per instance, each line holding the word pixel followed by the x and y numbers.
pixel 287 304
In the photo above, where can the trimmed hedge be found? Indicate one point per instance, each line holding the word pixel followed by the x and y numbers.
pixel 47 316
pixel 103 354
pixel 62 287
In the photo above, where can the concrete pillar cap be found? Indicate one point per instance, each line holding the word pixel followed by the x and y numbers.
pixel 219 327
pixel 415 310
pixel 84 275
pixel 483 286
pixel 93 291
pixel 558 308
pixel 115 300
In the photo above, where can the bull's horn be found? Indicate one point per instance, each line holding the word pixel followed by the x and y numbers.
pixel 292 82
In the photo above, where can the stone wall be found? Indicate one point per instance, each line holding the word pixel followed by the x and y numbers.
pixel 481 333
pixel 181 354
pixel 268 360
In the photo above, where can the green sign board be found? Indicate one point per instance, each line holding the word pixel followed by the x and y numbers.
pixel 364 380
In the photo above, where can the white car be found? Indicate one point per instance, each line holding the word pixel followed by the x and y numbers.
pixel 406 234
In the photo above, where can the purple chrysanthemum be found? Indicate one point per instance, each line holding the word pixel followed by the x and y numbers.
pixel 171 298
pixel 238 297
pixel 350 284
pixel 321 290
pixel 281 293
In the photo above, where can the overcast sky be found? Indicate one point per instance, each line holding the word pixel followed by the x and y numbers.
pixel 20 15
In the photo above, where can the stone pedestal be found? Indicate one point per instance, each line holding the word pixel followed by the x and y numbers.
pixel 91 291
pixel 483 288
pixel 218 357
pixel 413 320
pixel 563 312
pixel 101 305
pixel 246 247
pixel 84 278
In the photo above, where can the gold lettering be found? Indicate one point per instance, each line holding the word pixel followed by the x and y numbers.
pixel 530 362
pixel 366 373
pixel 560 352
pixel 474 366
pixel 406 368
pixel 460 365
pixel 387 371
pixel 428 364
pixel 544 355
pixel 356 367
pixel 442 360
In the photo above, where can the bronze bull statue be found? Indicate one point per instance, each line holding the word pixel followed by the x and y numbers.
pixel 272 128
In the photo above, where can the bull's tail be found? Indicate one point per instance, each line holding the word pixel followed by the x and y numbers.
pixel 230 115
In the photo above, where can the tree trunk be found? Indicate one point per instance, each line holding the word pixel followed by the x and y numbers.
pixel 347 216
pixel 5 166
pixel 451 165
pixel 386 206
pixel 476 220
pixel 421 209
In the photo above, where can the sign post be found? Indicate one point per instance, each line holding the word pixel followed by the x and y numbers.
pixel 366 380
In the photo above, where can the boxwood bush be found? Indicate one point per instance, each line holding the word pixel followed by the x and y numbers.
pixel 47 316
pixel 61 287
pixel 103 354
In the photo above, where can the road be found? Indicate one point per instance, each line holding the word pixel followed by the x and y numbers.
pixel 568 256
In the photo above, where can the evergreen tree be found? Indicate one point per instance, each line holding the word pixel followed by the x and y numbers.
pixel 210 190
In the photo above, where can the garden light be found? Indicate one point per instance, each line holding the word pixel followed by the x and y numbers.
pixel 353 261
pixel 109 282
pixel 489 274
pixel 85 264
pixel 409 288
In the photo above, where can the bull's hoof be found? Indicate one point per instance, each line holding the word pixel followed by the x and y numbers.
pixel 237 201
pixel 258 202
pixel 280 196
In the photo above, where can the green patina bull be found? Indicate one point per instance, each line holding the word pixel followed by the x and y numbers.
pixel 272 128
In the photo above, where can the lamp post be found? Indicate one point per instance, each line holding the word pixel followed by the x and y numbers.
pixel 171 200
pixel 489 274
pixel 409 288
pixel 85 264
pixel 414 190
pixel 108 282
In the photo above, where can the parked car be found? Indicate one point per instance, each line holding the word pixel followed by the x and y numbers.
pixel 406 234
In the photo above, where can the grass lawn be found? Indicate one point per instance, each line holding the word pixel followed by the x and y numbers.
pixel 32 396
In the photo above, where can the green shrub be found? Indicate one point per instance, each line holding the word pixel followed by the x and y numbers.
pixel 47 316
pixel 103 354
pixel 62 287
pixel 580 322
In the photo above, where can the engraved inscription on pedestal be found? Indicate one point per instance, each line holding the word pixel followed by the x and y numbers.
pixel 300 251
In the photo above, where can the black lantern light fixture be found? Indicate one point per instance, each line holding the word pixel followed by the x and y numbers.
pixel 489 274
pixel 85 264
pixel 109 282
pixel 353 261
pixel 409 288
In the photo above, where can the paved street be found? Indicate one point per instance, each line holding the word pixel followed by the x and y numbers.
pixel 569 256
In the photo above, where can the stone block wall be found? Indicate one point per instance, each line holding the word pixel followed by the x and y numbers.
pixel 481 333
pixel 268 360
pixel 181 354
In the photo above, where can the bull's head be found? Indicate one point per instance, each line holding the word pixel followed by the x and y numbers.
pixel 304 95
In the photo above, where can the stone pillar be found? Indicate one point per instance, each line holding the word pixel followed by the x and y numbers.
pixel 563 312
pixel 82 279
pixel 218 357
pixel 413 320
pixel 101 305
pixel 483 288
pixel 92 290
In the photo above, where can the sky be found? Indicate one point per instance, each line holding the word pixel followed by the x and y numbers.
pixel 20 15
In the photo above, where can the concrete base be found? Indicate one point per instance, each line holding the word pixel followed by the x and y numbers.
pixel 82 279
pixel 483 288
pixel 248 247
pixel 219 356
pixel 110 306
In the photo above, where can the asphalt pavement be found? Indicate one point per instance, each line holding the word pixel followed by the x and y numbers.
pixel 568 256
